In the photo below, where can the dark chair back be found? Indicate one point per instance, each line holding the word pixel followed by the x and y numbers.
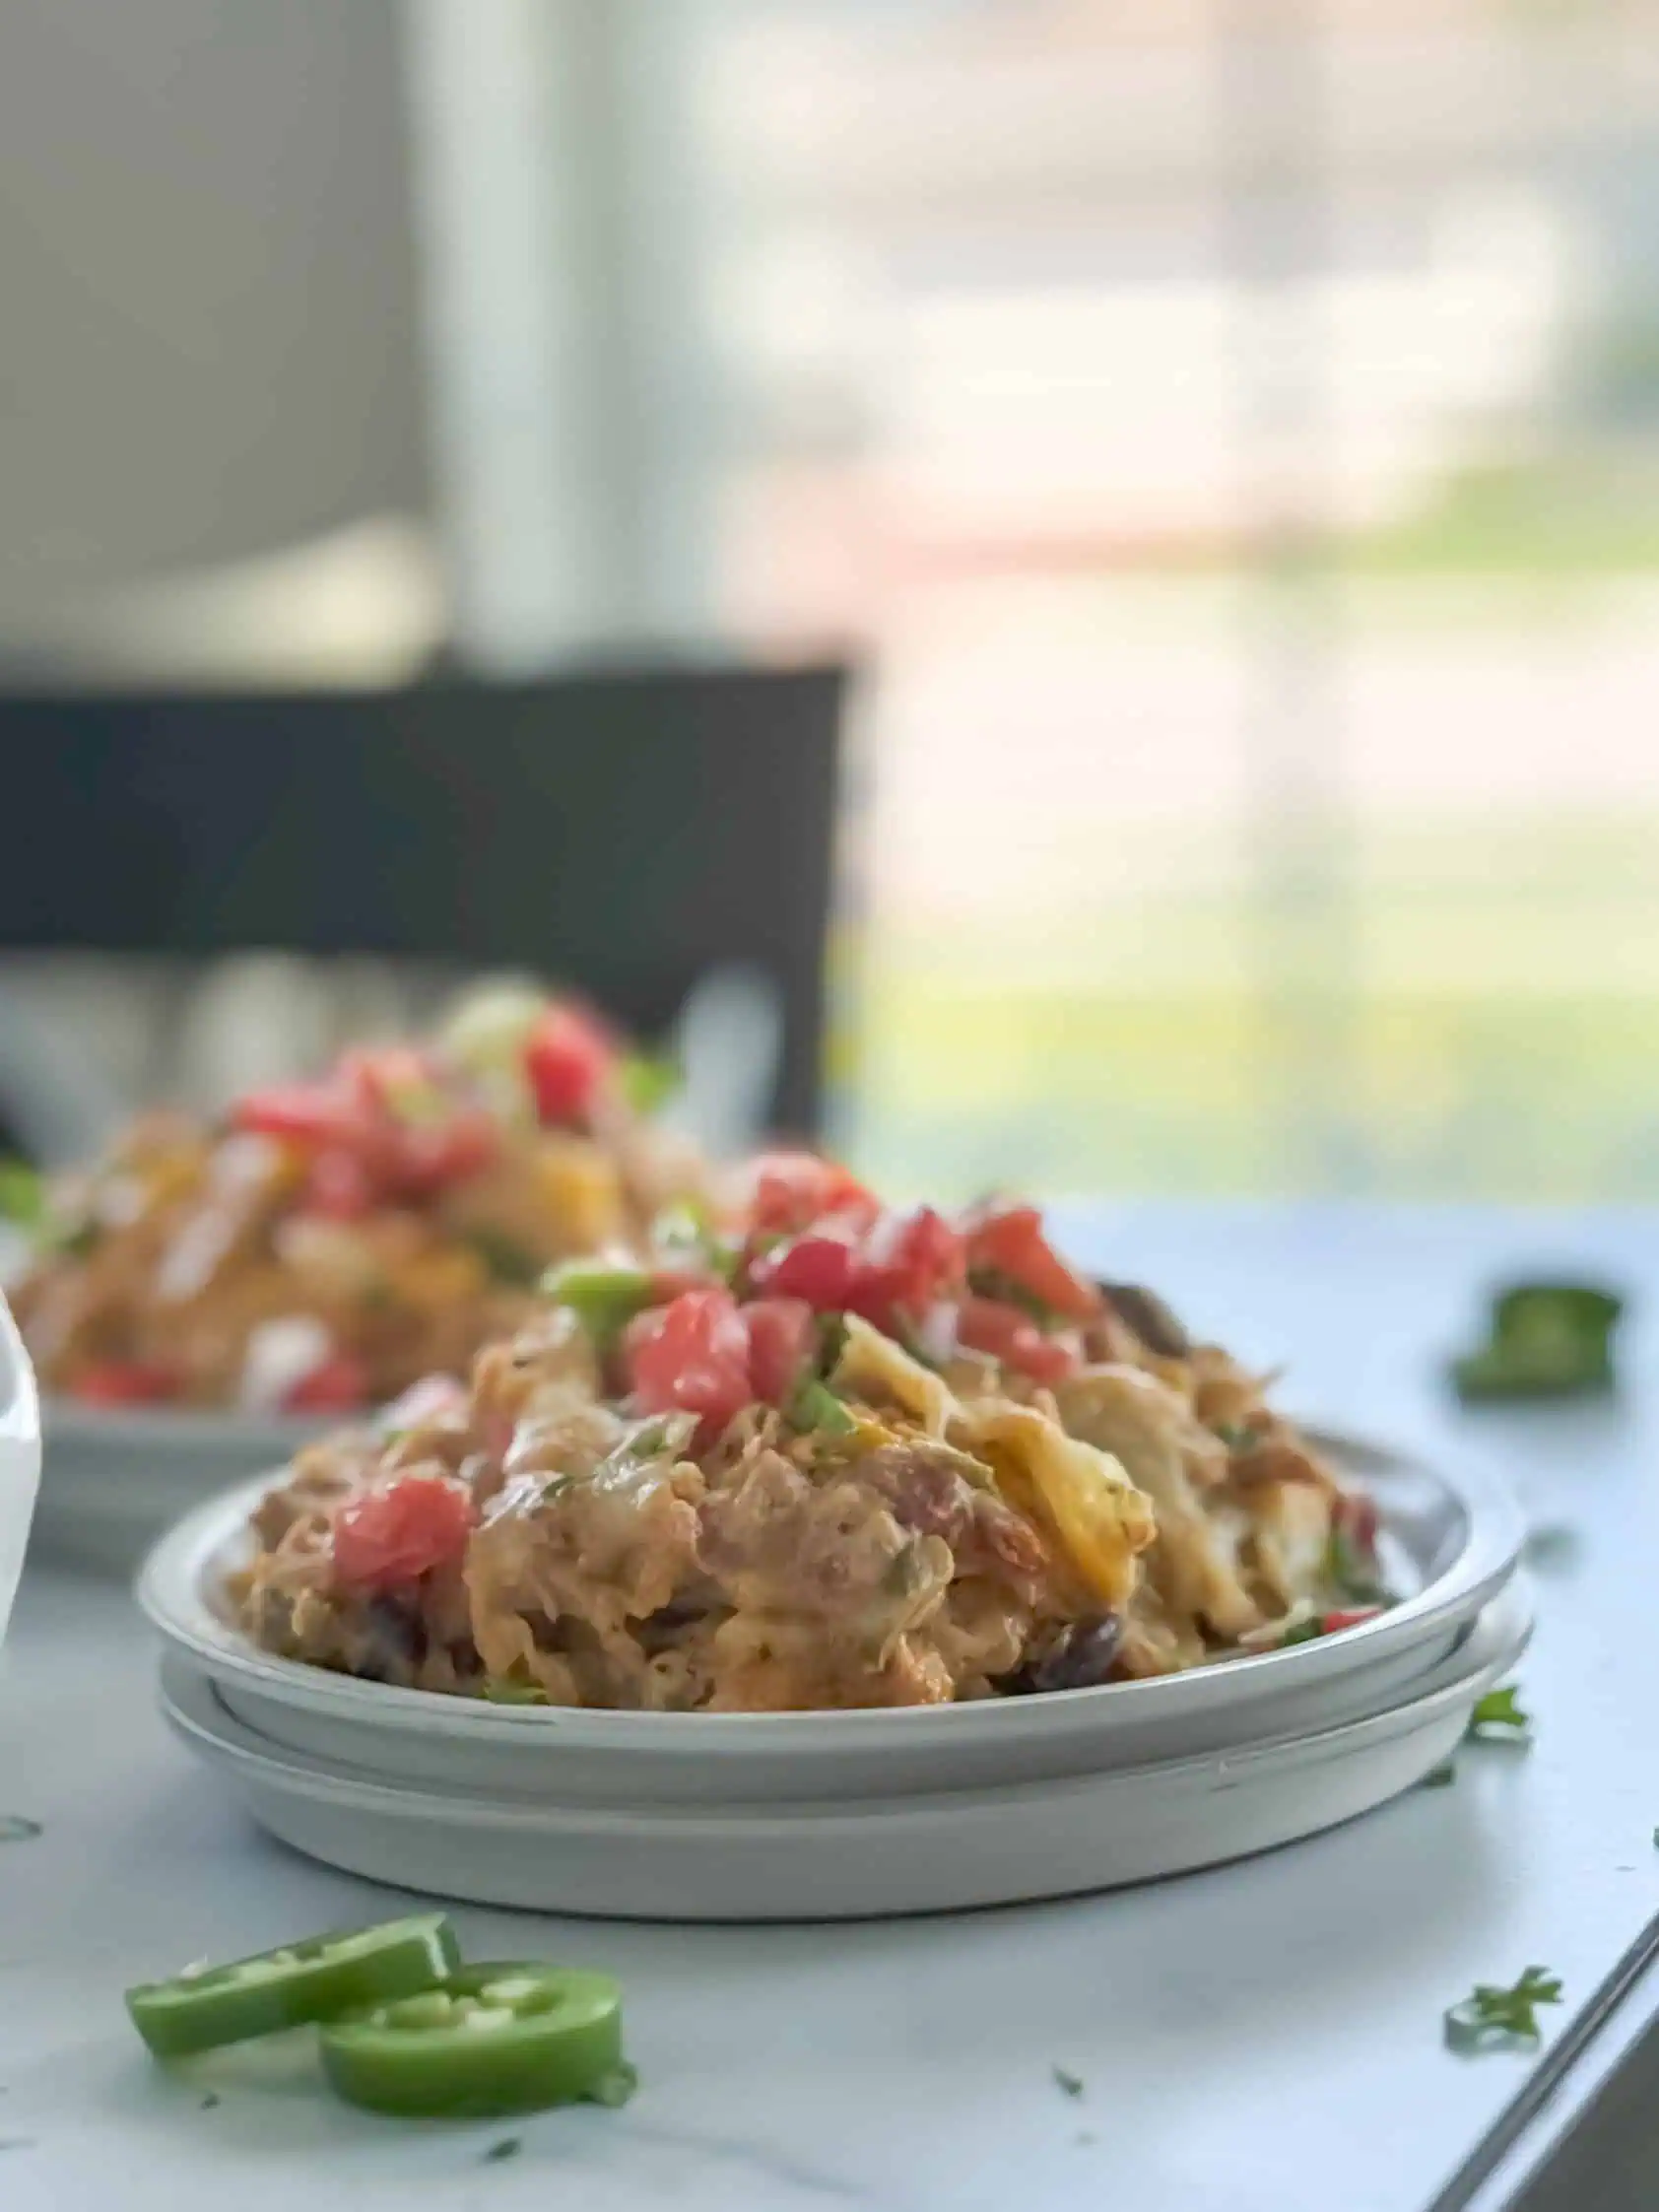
pixel 623 833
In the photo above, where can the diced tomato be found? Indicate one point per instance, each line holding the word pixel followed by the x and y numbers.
pixel 383 1077
pixel 125 1382
pixel 337 1384
pixel 793 1192
pixel 338 1186
pixel 690 1355
pixel 986 1324
pixel 818 1269
pixel 1008 1241
pixel 393 1535
pixel 1358 1519
pixel 568 1060
pixel 1331 1623
pixel 782 1336
pixel 423 1160
pixel 910 1263
pixel 307 1115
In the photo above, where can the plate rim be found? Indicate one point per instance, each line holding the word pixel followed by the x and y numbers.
pixel 169 1592
pixel 201 1428
pixel 313 1776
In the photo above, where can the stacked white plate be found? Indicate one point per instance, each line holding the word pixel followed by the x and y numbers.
pixel 761 1817
pixel 117 1476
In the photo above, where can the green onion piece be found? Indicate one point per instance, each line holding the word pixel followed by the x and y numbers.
pixel 816 1406
pixel 23 1195
pixel 1304 1632
pixel 682 1235
pixel 603 1298
pixel 1494 2019
pixel 648 1080
pixel 1545 1340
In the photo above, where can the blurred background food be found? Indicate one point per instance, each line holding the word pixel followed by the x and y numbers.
pixel 329 1241
pixel 1222 438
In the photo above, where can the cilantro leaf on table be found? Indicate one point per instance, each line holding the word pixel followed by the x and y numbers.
pixel 1498 1715
pixel 1495 2019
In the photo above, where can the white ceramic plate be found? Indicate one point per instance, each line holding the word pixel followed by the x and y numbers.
pixel 1453 1541
pixel 928 1852
pixel 115 1477
pixel 20 1458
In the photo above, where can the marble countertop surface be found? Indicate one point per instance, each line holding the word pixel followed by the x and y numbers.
pixel 1262 2036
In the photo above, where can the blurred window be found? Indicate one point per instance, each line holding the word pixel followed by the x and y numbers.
pixel 1234 432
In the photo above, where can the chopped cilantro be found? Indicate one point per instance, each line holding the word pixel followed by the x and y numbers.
pixel 1304 1631
pixel 1441 1777
pixel 1350 1571
pixel 504 1256
pixel 1501 1710
pixel 510 2146
pixel 504 1691
pixel 1240 1435
pixel 1071 2085
pixel 14 1829
pixel 211 2101
pixel 1494 2019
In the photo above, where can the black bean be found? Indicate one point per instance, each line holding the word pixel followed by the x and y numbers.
pixel 1082 1657
pixel 1149 1318
pixel 397 1628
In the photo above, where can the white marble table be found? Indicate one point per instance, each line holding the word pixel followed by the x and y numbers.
pixel 1263 2037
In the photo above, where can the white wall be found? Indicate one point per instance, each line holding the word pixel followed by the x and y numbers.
pixel 209 342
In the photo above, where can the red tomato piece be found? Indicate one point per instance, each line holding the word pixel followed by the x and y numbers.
pixel 337 1384
pixel 782 1337
pixel 1331 1623
pixel 793 1192
pixel 379 1076
pixel 568 1060
pixel 1357 1517
pixel 690 1355
pixel 125 1382
pixel 393 1535
pixel 909 1264
pixel 426 1159
pixel 818 1269
pixel 301 1113
pixel 986 1324
pixel 1008 1241
pixel 338 1186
